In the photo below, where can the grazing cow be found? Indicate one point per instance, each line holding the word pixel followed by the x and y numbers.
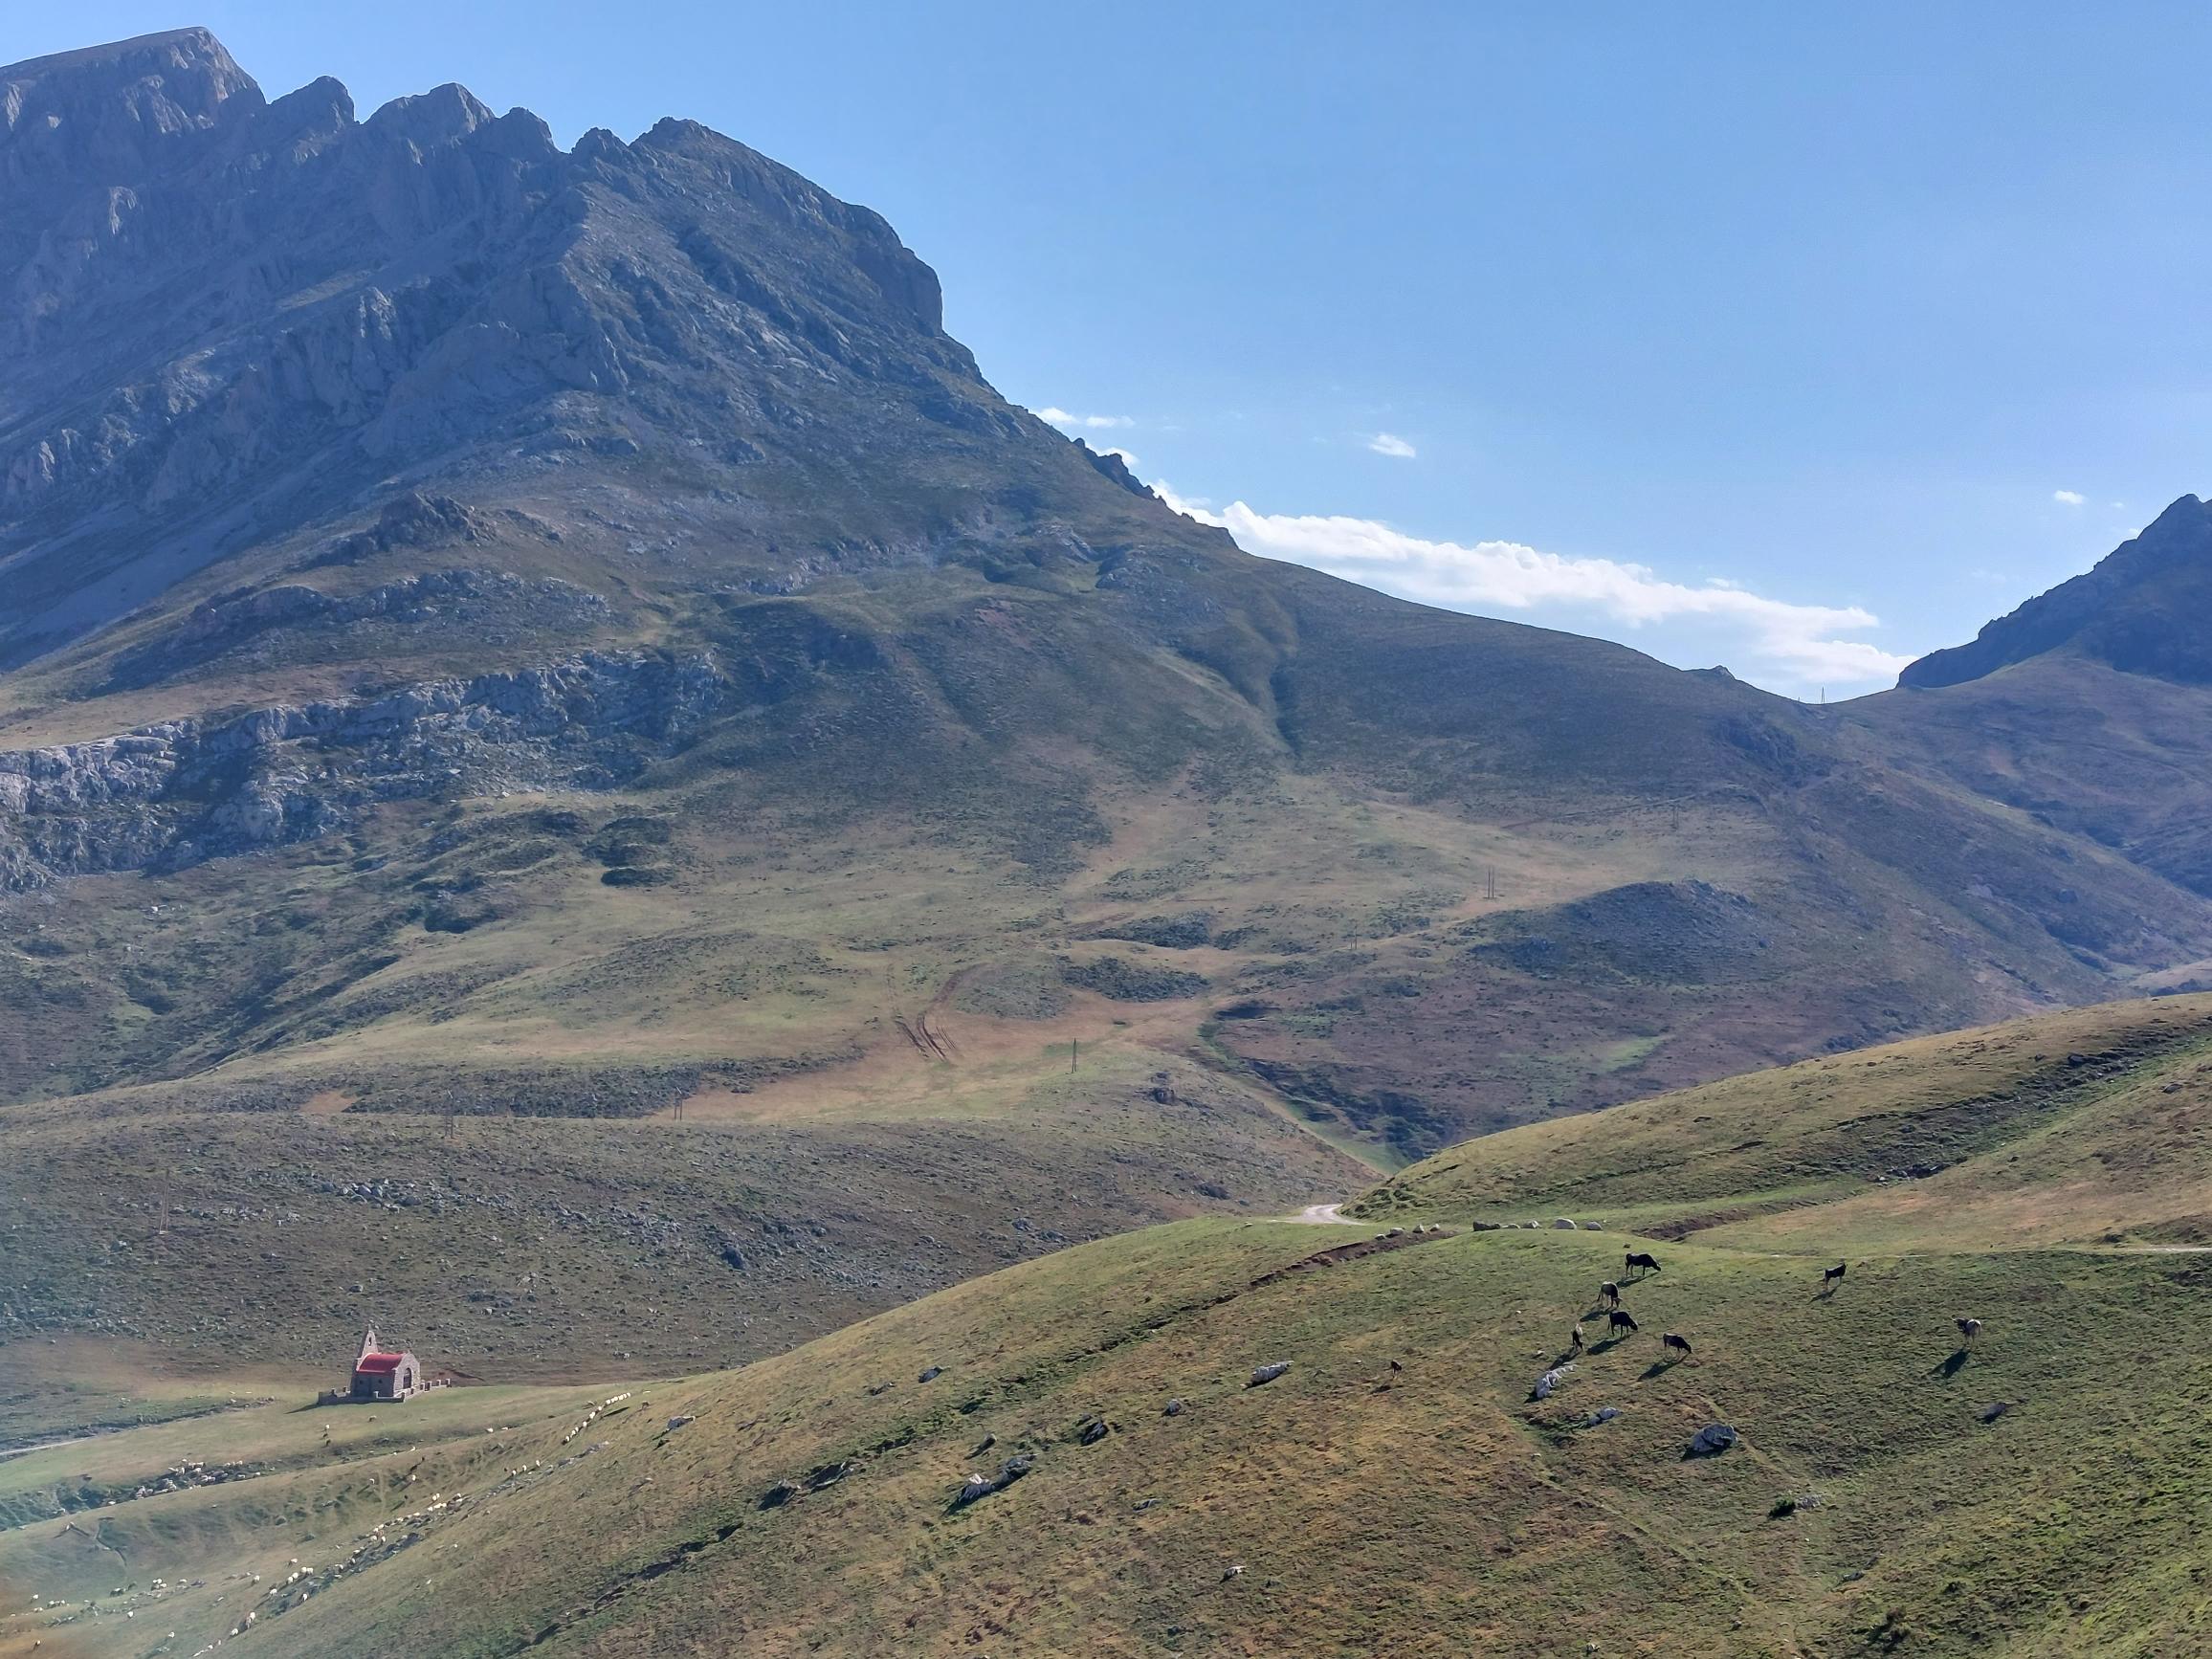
pixel 1968 1330
pixel 1639 1261
pixel 1610 1294
pixel 1575 1342
pixel 1679 1344
pixel 1830 1275
pixel 1620 1320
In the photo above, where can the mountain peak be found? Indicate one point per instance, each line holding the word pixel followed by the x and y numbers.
pixel 2141 610
pixel 181 47
pixel 119 101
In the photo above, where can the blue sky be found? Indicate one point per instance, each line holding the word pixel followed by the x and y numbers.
pixel 1802 338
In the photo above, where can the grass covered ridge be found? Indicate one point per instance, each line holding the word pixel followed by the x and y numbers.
pixel 2083 1127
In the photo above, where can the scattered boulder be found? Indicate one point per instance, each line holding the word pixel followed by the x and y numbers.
pixel 1604 1414
pixel 829 1474
pixel 1711 1440
pixel 1268 1373
pixel 1561 1223
pixel 1487 1226
pixel 1550 1380
pixel 779 1495
pixel 931 1375
pixel 1593 1226
pixel 1994 1410
pixel 980 1486
pixel 1173 1408
pixel 677 1422
pixel 1092 1430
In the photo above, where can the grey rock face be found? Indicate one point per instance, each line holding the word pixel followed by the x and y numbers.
pixel 222 317
pixel 1713 1439
pixel 2141 610
pixel 184 791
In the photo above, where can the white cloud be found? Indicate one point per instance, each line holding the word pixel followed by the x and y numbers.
pixel 1391 444
pixel 1785 646
pixel 1060 417
pixel 2068 498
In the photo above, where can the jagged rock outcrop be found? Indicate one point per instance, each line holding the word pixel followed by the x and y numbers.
pixel 222 319
pixel 2143 609
pixel 184 791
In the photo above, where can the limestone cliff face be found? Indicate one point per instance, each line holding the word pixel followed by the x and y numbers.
pixel 188 789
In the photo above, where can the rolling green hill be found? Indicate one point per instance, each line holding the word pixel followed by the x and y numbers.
pixel 1396 1489
pixel 2070 1129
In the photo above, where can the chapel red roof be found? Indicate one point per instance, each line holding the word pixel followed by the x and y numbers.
pixel 378 1362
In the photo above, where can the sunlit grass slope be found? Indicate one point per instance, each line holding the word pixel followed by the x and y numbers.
pixel 2089 1126
pixel 1397 1491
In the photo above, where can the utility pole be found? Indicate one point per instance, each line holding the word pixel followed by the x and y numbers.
pixel 1074 1044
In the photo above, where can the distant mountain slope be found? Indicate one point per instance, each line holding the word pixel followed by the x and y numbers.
pixel 494 629
pixel 2143 609
pixel 2089 710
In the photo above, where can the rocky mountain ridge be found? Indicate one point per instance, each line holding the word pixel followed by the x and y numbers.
pixel 224 317
pixel 2143 609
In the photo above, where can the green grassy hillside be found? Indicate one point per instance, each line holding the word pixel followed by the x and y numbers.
pixel 2085 1127
pixel 534 1247
pixel 1397 1490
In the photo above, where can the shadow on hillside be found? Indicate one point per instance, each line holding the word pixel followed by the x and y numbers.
pixel 1952 1366
pixel 1657 1368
